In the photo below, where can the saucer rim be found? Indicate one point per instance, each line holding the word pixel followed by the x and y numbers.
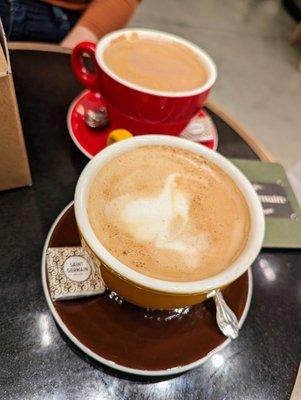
pixel 112 364
pixel 83 150
pixel 70 129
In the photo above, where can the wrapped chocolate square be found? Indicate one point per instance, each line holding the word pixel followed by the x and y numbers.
pixel 72 273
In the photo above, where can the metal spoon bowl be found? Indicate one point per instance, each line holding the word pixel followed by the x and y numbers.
pixel 96 118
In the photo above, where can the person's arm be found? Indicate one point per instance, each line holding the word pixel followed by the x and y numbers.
pixel 101 17
pixel 77 35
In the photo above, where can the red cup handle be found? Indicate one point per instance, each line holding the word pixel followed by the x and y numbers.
pixel 86 78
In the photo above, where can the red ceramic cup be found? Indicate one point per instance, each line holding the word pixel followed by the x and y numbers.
pixel 136 108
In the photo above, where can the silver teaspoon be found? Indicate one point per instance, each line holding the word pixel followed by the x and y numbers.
pixel 96 118
pixel 225 317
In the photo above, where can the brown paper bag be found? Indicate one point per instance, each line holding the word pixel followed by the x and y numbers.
pixel 14 167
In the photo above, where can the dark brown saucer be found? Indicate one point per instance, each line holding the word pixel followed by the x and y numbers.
pixel 133 339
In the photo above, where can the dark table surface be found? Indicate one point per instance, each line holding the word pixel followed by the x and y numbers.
pixel 36 360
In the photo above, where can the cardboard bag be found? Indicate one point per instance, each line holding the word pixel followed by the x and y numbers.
pixel 14 167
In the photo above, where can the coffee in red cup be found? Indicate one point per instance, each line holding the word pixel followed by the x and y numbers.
pixel 150 81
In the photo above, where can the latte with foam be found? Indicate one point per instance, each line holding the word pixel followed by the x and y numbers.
pixel 168 213
pixel 162 65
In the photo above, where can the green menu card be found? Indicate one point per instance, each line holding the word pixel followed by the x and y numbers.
pixel 281 209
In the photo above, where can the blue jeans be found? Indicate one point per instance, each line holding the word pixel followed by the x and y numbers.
pixel 33 20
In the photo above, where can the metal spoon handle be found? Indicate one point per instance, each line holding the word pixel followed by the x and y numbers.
pixel 225 317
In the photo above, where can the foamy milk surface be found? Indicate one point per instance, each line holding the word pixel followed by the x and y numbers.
pixel 168 213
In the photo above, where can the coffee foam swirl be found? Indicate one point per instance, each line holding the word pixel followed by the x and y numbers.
pixel 163 220
pixel 168 213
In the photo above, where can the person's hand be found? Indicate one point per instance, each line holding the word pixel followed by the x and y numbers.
pixel 77 35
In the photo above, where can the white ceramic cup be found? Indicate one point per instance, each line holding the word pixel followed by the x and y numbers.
pixel 157 293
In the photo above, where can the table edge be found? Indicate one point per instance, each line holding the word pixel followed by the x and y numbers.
pixel 38 46
pixel 255 145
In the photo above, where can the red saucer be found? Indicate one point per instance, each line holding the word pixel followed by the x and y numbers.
pixel 90 141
